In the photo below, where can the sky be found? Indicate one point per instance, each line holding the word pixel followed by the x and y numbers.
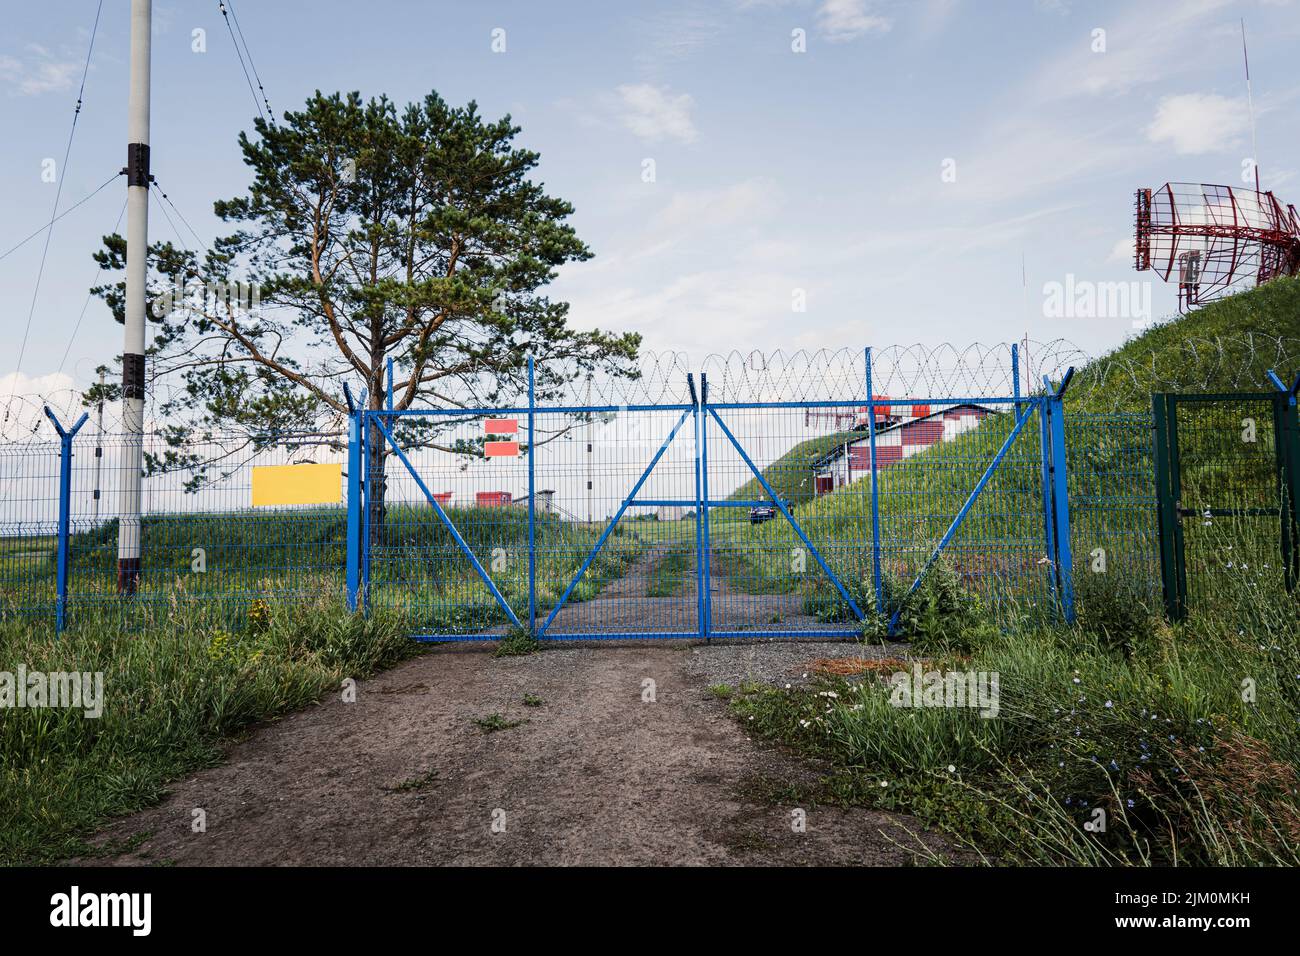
pixel 750 174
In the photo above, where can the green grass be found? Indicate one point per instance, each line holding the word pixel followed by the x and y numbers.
pixel 1188 737
pixel 669 575
pixel 493 723
pixel 1110 476
pixel 1181 355
pixel 1155 730
pixel 791 475
pixel 517 642
pixel 173 691
pixel 418 570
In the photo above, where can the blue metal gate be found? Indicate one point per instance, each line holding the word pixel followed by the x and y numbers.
pixel 704 517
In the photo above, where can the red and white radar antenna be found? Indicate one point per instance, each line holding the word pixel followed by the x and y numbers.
pixel 1215 240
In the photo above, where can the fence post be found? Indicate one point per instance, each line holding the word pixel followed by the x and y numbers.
pixel 532 514
pixel 1045 453
pixel 1061 509
pixel 876 576
pixel 1015 375
pixel 354 508
pixel 364 597
pixel 1287 441
pixel 706 573
pixel 65 516
pixel 699 521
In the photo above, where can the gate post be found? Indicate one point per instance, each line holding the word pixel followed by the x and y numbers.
pixel 1286 425
pixel 65 517
pixel 876 577
pixel 699 521
pixel 1166 513
pixel 1015 375
pixel 1045 454
pixel 706 574
pixel 355 508
pixel 532 514
pixel 1061 509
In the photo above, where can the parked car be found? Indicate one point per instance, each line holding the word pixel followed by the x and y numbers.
pixel 761 513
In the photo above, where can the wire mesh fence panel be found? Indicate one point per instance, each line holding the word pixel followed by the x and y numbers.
pixel 833 480
pixel 205 535
pixel 446 528
pixel 1111 461
pixel 623 480
pixel 29 524
pixel 765 578
pixel 929 468
pixel 1228 497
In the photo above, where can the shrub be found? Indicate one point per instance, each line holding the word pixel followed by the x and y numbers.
pixel 941 615
pixel 1113 610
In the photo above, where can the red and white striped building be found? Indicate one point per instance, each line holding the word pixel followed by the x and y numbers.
pixel 896 440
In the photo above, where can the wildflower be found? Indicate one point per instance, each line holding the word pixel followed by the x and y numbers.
pixel 951 768
pixel 1109 705
pixel 1130 803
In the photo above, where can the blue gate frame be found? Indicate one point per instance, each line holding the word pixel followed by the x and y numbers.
pixel 1048 405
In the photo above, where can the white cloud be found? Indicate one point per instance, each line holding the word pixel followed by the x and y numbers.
pixel 1146 43
pixel 40 73
pixel 652 113
pixel 705 209
pixel 22 398
pixel 1199 122
pixel 842 20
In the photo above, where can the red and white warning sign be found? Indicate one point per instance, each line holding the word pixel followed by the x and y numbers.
pixel 500 448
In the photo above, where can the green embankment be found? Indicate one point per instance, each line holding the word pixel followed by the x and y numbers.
pixel 1228 345
pixel 1121 739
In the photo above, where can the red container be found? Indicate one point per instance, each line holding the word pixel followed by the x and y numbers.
pixel 920 411
pixel 492 499
pixel 443 498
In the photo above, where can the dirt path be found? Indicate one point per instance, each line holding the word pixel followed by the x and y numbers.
pixel 624 605
pixel 595 776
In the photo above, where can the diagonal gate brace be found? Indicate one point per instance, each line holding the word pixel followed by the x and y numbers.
pixel 966 508
pixel 600 543
pixel 460 542
pixel 776 499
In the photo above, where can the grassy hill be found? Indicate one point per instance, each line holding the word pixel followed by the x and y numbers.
pixel 791 475
pixel 1228 345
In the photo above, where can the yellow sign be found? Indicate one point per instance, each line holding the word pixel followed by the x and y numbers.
pixel 297 485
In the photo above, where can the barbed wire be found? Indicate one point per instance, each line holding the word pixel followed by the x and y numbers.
pixel 1120 381
pixel 1125 382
